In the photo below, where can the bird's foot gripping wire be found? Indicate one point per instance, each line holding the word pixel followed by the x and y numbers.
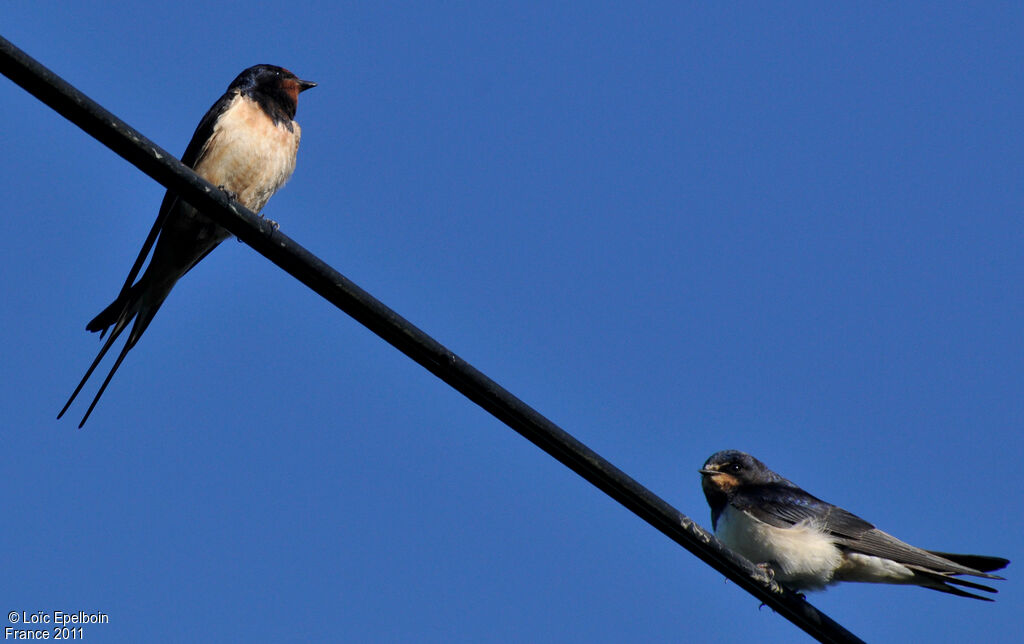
pixel 274 226
pixel 233 196
pixel 767 569
pixel 769 572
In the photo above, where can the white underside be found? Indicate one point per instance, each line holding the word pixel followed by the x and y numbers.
pixel 803 557
pixel 860 567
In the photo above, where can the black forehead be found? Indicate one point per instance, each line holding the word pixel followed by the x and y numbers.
pixel 260 73
pixel 733 456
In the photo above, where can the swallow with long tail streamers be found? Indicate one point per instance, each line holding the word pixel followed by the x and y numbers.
pixel 809 544
pixel 246 145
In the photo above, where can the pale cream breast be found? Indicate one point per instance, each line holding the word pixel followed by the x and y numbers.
pixel 248 154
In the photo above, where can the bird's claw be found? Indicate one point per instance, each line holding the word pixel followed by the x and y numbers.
pixel 274 226
pixel 233 196
pixel 769 572
pixel 767 569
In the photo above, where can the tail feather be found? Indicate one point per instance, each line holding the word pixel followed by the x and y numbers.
pixel 981 563
pixel 114 311
pixel 942 583
pixel 953 590
pixel 969 584
pixel 140 302
pixel 945 582
pixel 92 367
pixel 106 381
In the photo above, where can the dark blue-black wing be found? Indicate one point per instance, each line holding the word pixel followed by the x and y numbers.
pixel 193 153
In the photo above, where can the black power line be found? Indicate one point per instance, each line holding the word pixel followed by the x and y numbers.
pixel 331 285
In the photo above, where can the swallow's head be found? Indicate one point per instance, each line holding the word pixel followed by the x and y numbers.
pixel 274 84
pixel 727 470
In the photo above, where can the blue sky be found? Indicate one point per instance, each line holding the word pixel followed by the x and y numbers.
pixel 670 228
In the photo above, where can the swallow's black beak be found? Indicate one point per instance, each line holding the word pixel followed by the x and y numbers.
pixel 304 85
pixel 706 471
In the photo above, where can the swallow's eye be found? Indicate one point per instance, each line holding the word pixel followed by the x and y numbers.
pixel 735 468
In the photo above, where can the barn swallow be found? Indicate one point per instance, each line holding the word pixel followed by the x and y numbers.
pixel 246 145
pixel 809 544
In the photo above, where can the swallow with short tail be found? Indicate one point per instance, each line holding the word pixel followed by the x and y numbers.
pixel 246 145
pixel 809 544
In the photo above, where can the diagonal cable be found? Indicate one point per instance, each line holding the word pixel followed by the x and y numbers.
pixel 404 336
